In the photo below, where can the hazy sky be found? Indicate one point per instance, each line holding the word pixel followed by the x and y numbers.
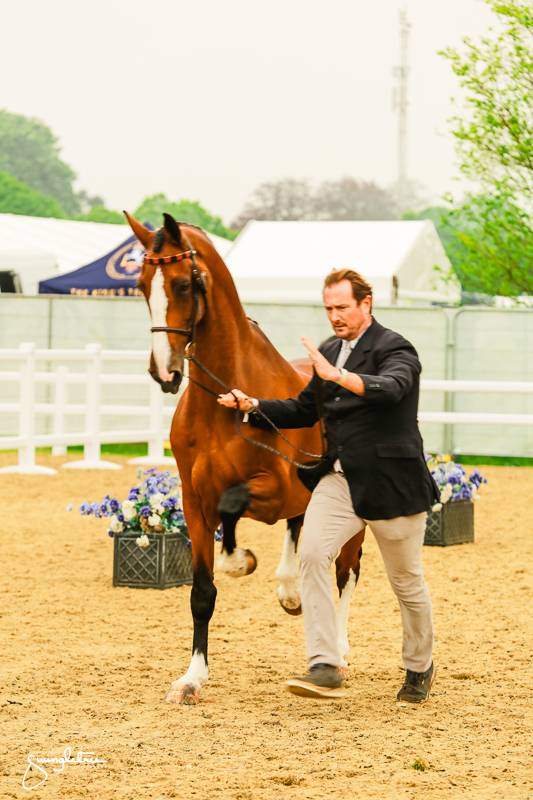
pixel 207 98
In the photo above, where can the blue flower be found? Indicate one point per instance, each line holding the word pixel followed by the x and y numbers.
pixel 114 505
pixel 145 511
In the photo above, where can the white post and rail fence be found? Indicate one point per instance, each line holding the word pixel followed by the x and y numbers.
pixel 155 414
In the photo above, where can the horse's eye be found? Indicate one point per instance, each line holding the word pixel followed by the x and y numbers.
pixel 181 287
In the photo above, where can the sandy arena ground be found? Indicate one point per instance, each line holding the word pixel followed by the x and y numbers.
pixel 86 665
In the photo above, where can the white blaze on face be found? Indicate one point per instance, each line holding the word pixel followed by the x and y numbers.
pixel 158 309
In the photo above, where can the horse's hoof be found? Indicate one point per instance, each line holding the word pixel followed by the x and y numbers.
pixel 185 695
pixel 251 561
pixel 239 563
pixel 293 610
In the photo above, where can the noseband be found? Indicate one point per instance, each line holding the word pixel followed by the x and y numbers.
pixel 197 287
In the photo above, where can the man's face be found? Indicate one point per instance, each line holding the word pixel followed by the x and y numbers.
pixel 347 316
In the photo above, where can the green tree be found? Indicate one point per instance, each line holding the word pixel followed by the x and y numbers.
pixel 151 210
pixel 18 198
pixel 494 140
pixel 30 152
pixel 102 214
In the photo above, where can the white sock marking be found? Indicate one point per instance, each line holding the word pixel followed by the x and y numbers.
pixel 235 565
pixel 343 612
pixel 196 675
pixel 287 572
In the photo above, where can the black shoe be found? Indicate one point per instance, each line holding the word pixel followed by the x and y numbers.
pixel 322 680
pixel 417 685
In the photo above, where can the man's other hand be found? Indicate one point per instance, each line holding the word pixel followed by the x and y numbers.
pixel 231 399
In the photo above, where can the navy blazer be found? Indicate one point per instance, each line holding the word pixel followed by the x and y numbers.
pixel 375 436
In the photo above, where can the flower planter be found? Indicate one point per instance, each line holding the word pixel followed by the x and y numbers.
pixel 164 563
pixel 453 524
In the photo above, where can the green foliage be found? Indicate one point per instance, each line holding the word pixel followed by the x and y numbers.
pixel 420 764
pixel 151 210
pixel 18 198
pixel 495 145
pixel 102 214
pixel 495 137
pixel 492 245
pixel 30 152
pixel 488 241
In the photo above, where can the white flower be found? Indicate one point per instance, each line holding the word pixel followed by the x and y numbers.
pixel 129 510
pixel 446 493
pixel 69 507
pixel 143 541
pixel 156 502
pixel 115 525
pixel 436 507
pixel 154 520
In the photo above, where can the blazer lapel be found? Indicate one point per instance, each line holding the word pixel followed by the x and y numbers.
pixel 359 354
pixel 332 351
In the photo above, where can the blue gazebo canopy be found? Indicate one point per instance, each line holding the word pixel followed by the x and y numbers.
pixel 115 273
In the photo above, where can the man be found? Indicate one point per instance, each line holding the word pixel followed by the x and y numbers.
pixel 374 474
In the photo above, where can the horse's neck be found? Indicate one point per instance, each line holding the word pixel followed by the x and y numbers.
pixel 224 329
pixel 226 341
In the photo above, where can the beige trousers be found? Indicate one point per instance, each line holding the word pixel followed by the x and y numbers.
pixel 330 521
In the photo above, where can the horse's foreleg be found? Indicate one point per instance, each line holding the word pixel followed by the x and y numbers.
pixel 233 560
pixel 347 567
pixel 186 689
pixel 288 590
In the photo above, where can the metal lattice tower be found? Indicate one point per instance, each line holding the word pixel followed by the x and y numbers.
pixel 400 104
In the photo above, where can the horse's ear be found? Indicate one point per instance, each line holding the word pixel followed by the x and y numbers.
pixel 144 235
pixel 172 228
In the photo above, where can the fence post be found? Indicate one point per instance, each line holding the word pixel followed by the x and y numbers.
pixel 60 397
pixel 26 456
pixel 91 445
pixel 156 449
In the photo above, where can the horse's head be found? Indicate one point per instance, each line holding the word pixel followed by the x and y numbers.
pixel 173 281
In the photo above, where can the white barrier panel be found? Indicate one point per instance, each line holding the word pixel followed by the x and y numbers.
pixel 155 432
pixel 93 434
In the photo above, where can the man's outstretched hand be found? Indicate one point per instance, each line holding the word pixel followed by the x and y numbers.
pixel 324 370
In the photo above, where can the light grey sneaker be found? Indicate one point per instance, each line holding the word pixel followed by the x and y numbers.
pixel 322 680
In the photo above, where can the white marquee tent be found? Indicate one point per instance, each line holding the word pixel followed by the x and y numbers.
pixel 287 261
pixel 41 247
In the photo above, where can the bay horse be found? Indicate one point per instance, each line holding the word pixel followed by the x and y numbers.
pixel 196 314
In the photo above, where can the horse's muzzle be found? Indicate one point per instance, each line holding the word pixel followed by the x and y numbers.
pixel 169 387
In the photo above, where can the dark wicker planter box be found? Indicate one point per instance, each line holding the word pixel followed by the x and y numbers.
pixel 164 563
pixel 453 524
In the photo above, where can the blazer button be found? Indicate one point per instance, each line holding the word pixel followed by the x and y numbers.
pixel 340 448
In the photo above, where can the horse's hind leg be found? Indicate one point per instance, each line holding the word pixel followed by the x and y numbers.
pixel 234 560
pixel 347 567
pixel 288 590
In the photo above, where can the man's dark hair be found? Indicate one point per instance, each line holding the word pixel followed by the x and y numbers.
pixel 360 288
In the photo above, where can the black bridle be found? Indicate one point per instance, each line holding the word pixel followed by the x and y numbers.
pixel 198 287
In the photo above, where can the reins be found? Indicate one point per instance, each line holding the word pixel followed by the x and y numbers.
pixel 255 442
pixel 198 286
